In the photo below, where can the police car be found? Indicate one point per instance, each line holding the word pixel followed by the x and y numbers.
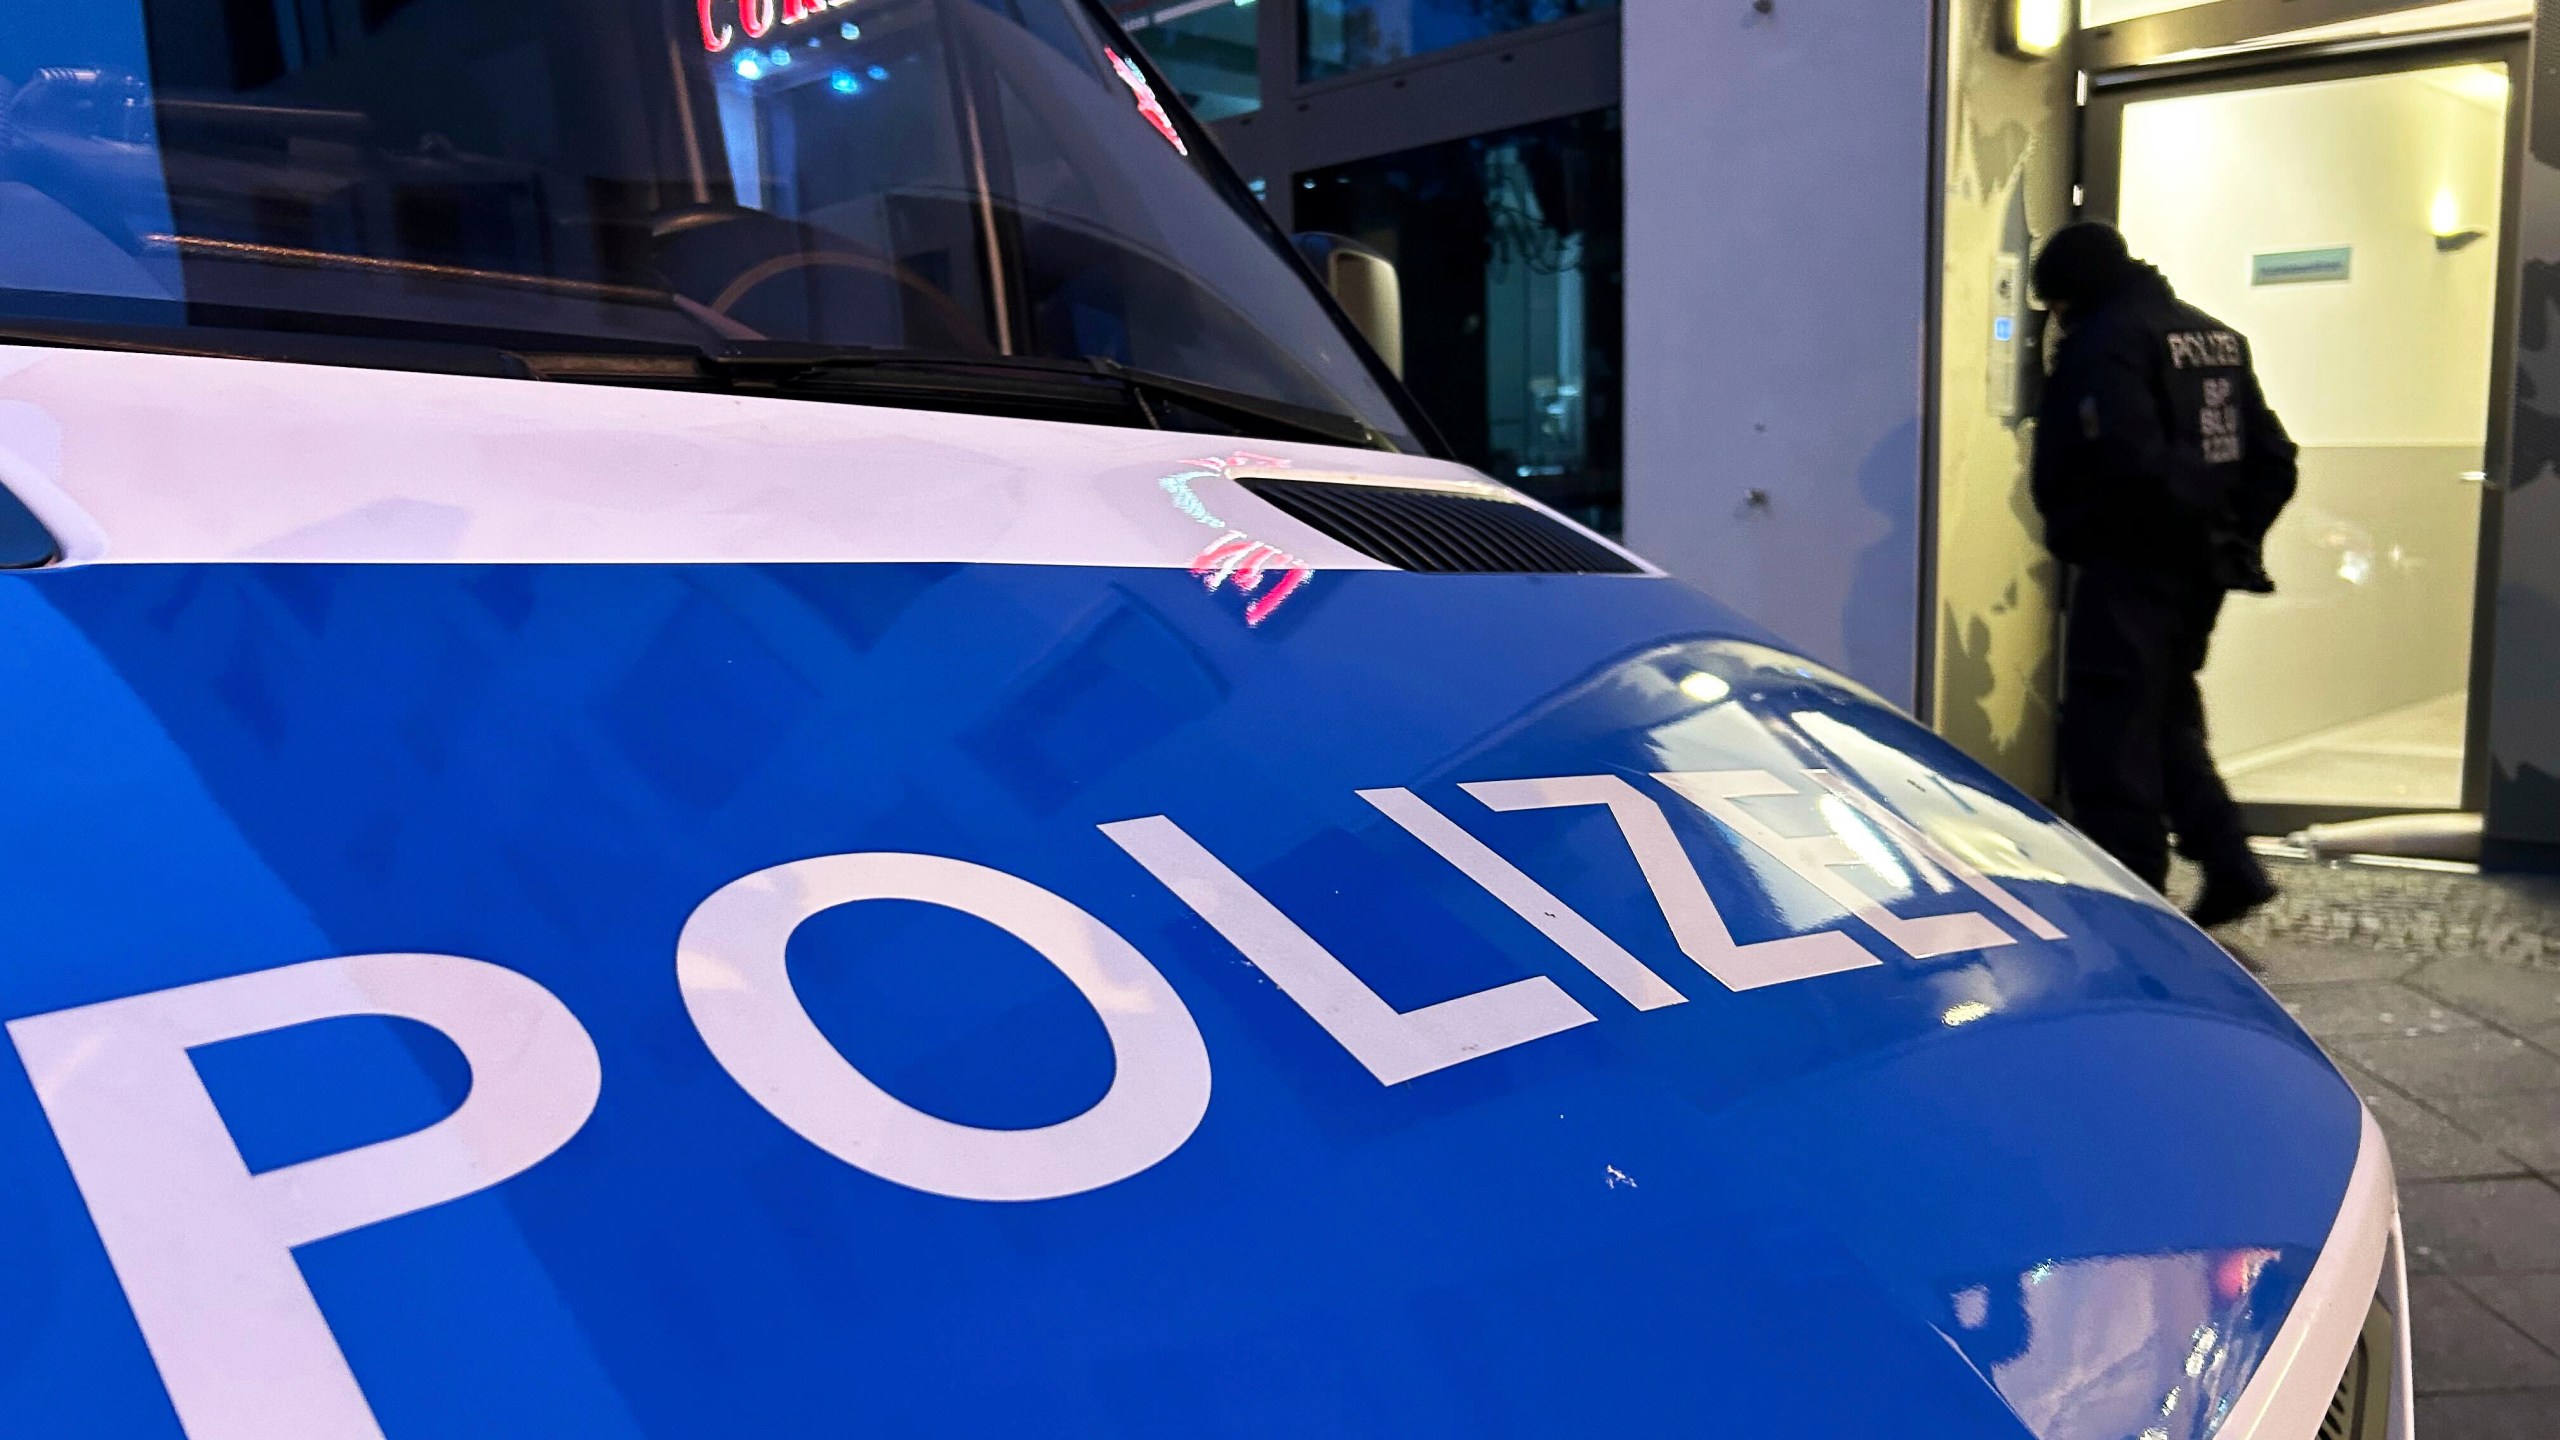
pixel 747 718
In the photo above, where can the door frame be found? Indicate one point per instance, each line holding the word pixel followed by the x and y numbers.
pixel 2223 24
pixel 2101 173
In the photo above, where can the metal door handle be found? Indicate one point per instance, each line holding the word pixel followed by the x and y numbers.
pixel 2477 477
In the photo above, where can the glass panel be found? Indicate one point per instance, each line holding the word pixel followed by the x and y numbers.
pixel 1510 248
pixel 986 189
pixel 2349 228
pixel 1346 35
pixel 1208 49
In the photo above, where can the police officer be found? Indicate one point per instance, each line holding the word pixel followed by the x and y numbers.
pixel 2158 468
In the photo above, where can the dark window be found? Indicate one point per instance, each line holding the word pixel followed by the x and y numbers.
pixel 1345 35
pixel 1511 249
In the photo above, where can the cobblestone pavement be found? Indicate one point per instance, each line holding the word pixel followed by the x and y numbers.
pixel 2439 995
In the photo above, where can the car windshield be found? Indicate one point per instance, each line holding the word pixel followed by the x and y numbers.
pixel 964 187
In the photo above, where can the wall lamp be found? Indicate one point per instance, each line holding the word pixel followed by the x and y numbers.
pixel 2444 220
pixel 2034 29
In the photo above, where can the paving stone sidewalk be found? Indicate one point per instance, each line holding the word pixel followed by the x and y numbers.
pixel 2440 997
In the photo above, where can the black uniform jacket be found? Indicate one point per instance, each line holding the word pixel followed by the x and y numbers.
pixel 2154 446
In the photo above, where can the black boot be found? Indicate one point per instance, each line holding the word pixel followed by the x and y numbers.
pixel 2231 894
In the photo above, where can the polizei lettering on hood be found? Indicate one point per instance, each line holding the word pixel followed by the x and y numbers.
pixel 204 1247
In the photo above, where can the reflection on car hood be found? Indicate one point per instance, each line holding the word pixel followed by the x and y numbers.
pixel 2049 1166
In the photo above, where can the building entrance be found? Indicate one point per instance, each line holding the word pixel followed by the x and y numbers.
pixel 2350 218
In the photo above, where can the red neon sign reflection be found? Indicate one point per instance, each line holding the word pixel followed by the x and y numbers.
pixel 757 18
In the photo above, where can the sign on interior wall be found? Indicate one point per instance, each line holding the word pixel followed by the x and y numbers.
pixel 2302 267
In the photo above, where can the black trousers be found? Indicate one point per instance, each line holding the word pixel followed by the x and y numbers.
pixel 2135 765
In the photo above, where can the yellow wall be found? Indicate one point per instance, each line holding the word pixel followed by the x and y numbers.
pixel 2009 131
pixel 2399 354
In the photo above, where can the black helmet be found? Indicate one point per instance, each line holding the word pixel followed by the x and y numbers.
pixel 2084 261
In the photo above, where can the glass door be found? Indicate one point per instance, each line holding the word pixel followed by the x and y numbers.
pixel 2350 225
pixel 1511 247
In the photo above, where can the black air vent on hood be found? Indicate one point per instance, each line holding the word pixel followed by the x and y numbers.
pixel 1445 532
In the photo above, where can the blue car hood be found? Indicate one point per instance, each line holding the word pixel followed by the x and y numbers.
pixel 2062 1180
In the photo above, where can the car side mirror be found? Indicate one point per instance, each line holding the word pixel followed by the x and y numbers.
pixel 1363 282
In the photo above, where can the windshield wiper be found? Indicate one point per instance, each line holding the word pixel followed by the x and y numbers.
pixel 1304 422
pixel 432 350
pixel 1089 391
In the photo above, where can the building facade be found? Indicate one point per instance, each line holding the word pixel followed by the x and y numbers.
pixel 1743 281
